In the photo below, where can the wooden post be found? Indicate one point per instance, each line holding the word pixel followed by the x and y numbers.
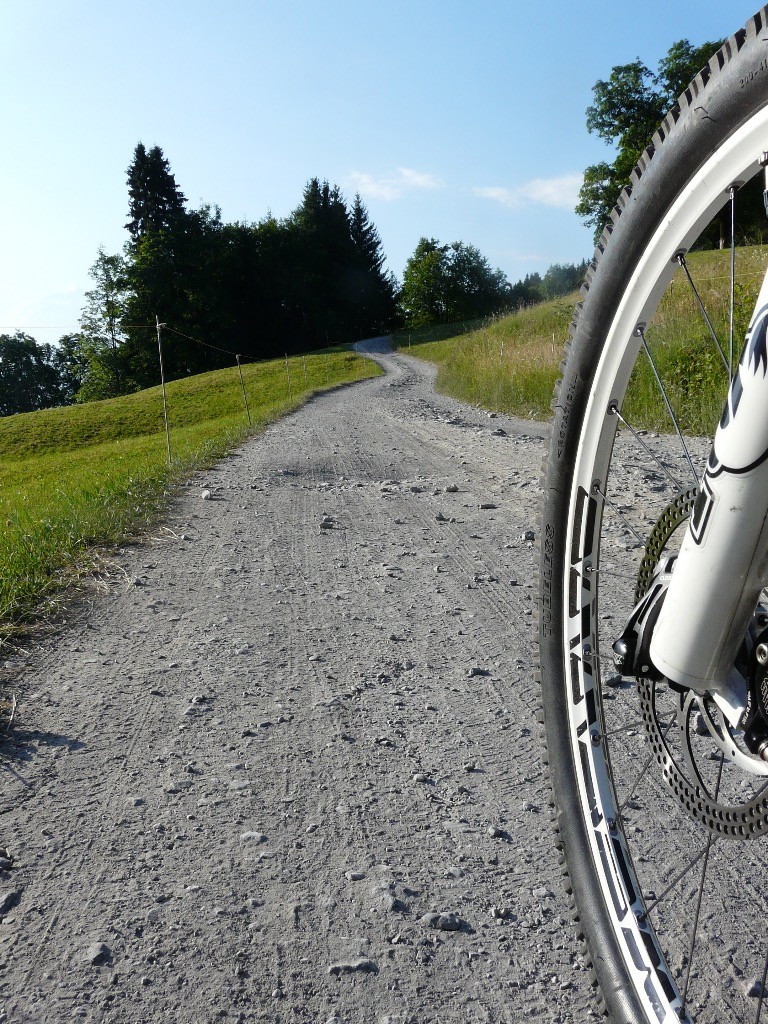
pixel 242 385
pixel 162 381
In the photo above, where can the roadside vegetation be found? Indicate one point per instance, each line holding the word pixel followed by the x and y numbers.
pixel 84 477
pixel 510 363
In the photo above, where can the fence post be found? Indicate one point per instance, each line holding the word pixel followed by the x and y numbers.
pixel 288 375
pixel 162 381
pixel 242 385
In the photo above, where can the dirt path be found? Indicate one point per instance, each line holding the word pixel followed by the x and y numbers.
pixel 241 781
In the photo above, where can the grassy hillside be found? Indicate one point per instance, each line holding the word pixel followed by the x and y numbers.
pixel 510 364
pixel 87 475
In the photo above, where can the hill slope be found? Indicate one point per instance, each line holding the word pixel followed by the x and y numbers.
pixel 86 475
pixel 511 363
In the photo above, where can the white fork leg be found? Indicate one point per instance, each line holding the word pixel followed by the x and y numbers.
pixel 722 564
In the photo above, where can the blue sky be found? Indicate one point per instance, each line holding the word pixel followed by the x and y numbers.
pixel 457 119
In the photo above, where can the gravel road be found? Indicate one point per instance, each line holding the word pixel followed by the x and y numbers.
pixel 286 768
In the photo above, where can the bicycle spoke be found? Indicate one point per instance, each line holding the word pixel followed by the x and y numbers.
pixel 695 928
pixel 619 513
pixel 682 261
pixel 761 993
pixel 665 396
pixel 675 482
pixel 643 771
pixel 615 575
pixel 623 728
pixel 733 281
pixel 678 877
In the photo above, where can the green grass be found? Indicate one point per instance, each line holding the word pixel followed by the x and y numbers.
pixel 435 332
pixel 687 360
pixel 510 364
pixel 87 476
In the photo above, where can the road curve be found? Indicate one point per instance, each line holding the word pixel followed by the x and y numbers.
pixel 285 768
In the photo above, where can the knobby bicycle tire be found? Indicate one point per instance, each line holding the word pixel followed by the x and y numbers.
pixel 706 149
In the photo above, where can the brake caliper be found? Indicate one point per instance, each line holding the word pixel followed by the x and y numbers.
pixel 754 721
pixel 631 652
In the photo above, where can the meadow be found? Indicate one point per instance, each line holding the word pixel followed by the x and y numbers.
pixel 510 363
pixel 78 479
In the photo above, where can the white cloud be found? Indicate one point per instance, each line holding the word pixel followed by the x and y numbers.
pixel 392 186
pixel 562 192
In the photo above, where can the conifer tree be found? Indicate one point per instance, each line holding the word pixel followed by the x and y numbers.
pixel 365 237
pixel 155 201
pixel 377 288
pixel 327 258
pixel 162 268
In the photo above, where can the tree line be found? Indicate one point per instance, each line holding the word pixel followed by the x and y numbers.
pixel 314 278
pixel 306 281
pixel 451 283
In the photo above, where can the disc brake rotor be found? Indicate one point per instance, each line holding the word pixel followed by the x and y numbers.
pixel 673 516
pixel 695 723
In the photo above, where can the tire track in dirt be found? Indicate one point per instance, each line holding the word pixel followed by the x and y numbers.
pixel 274 746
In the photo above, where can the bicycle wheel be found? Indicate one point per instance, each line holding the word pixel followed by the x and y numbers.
pixel 670 906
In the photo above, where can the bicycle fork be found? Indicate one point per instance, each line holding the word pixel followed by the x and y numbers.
pixel 701 614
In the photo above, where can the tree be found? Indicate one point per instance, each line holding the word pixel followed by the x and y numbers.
pixel 29 375
pixel 71 361
pixel 96 349
pixel 162 271
pixel 365 238
pixel 562 278
pixel 448 283
pixel 105 303
pixel 473 288
pixel 422 296
pixel 345 292
pixel 326 262
pixel 527 292
pixel 626 111
pixel 312 279
pixel 155 200
pixel 373 289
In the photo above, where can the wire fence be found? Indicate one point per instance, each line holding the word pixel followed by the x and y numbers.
pixel 237 358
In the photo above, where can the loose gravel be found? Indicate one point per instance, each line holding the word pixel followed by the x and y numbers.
pixel 285 769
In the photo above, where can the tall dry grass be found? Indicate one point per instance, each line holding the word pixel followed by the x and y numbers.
pixel 510 364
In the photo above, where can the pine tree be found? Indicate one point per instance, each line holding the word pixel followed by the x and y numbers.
pixel 156 202
pixel 377 289
pixel 365 237
pixel 326 261
pixel 162 273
